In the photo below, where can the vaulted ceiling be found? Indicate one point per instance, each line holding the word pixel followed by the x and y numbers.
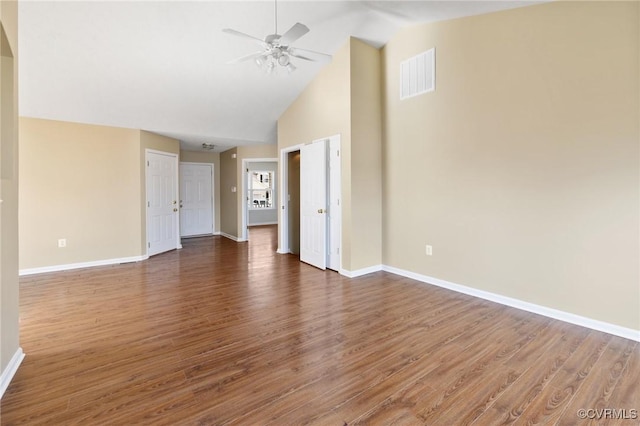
pixel 162 66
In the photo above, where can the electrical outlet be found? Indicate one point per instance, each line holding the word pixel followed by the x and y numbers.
pixel 62 242
pixel 428 250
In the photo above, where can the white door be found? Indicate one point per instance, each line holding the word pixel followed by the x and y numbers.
pixel 196 199
pixel 313 204
pixel 162 202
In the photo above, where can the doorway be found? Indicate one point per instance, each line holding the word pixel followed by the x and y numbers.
pixel 311 211
pixel 259 196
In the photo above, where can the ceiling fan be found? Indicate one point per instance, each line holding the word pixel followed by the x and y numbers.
pixel 276 48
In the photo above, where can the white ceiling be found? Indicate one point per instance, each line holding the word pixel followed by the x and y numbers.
pixel 161 66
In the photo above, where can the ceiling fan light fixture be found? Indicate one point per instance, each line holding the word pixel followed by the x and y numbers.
pixel 261 60
pixel 290 67
pixel 270 66
pixel 283 60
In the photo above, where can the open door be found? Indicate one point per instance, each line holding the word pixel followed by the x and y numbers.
pixel 162 202
pixel 313 204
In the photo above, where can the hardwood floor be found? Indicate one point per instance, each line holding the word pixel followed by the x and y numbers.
pixel 232 333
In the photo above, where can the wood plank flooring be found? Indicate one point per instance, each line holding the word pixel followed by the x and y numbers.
pixel 232 333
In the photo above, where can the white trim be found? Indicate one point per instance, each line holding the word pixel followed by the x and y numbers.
pixel 57 268
pixel 10 371
pixel 361 272
pixel 262 223
pixel 232 237
pixel 283 217
pixel 244 216
pixel 198 236
pixel 593 324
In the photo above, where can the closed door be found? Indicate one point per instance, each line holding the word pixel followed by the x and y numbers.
pixel 162 202
pixel 313 204
pixel 196 199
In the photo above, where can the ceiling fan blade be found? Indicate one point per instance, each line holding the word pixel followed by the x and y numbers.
pixel 294 55
pixel 246 57
pixel 239 34
pixel 322 56
pixel 294 33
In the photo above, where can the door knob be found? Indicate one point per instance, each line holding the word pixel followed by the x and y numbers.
pixel 320 211
pixel 175 210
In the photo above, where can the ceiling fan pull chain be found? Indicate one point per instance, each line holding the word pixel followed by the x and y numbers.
pixel 275 14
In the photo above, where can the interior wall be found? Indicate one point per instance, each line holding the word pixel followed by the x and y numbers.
pixel 522 168
pixel 9 306
pixel 293 159
pixel 155 142
pixel 365 156
pixel 345 99
pixel 82 183
pixel 229 198
pixel 323 110
pixel 210 158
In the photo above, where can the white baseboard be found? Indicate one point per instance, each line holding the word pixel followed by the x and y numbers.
pixel 593 324
pixel 56 268
pixel 186 237
pixel 10 371
pixel 233 237
pixel 361 272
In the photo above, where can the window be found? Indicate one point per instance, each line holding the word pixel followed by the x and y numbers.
pixel 260 190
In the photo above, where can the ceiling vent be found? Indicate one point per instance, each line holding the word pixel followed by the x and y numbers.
pixel 418 74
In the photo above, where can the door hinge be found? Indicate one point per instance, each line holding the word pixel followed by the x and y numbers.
pixel 338 250
pixel 338 153
pixel 147 164
pixel 149 245
pixel 148 203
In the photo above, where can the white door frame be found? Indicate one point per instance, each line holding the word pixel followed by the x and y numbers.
pixel 213 191
pixel 148 151
pixel 283 218
pixel 244 235
pixel 334 187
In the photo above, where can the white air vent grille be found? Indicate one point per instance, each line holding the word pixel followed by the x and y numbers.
pixel 418 74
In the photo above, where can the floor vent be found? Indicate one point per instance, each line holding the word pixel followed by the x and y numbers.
pixel 418 74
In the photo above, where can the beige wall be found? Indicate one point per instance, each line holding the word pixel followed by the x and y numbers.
pixel 365 157
pixel 345 99
pixel 9 312
pixel 83 183
pixel 522 168
pixel 211 158
pixel 228 199
pixel 293 168
pixel 323 110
